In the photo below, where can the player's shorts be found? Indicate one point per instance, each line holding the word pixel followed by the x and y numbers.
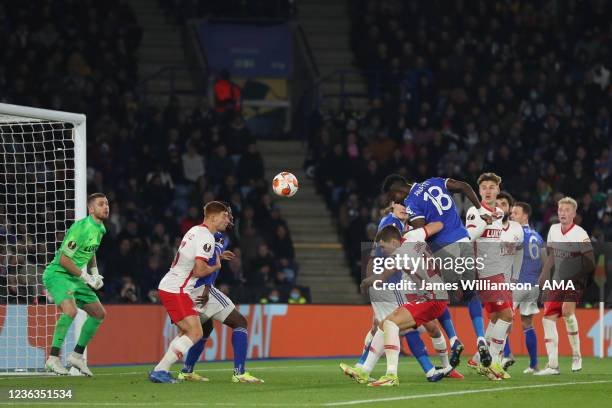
pixel 178 305
pixel 495 300
pixel 526 301
pixel 553 308
pixel 563 296
pixel 424 312
pixel 62 286
pixel 384 302
pixel 383 309
pixel 218 307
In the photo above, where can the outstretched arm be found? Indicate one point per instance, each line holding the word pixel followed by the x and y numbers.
pixel 457 186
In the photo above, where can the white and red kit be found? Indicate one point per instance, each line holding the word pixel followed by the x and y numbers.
pixel 567 248
pixel 488 247
pixel 174 288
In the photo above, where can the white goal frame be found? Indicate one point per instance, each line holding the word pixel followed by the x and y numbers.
pixel 79 136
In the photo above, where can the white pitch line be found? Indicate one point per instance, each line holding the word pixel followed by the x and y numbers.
pixel 452 393
pixel 231 404
pixel 145 372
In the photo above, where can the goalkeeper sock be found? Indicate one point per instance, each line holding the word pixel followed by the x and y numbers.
pixel 448 326
pixel 475 309
pixel 551 340
pixel 366 349
pixel 377 347
pixel 89 329
pixel 418 350
pixel 59 334
pixel 571 324
pixel 439 344
pixel 239 343
pixel 194 355
pixel 392 346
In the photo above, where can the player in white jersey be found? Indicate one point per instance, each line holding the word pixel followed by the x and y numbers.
pixel 511 251
pixel 488 247
pixel 424 311
pixel 190 263
pixel 571 254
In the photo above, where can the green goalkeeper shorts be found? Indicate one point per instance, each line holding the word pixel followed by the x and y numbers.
pixel 62 286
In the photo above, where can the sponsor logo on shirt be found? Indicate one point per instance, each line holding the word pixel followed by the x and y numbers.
pixel 492 233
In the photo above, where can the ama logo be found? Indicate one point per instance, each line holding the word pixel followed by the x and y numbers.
pixel 595 333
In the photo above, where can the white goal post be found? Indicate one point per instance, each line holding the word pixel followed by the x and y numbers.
pixel 43 190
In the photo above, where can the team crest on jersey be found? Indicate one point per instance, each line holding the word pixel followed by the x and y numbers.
pixel 72 245
pixel 207 247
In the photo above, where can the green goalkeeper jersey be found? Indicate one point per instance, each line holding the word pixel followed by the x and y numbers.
pixel 80 244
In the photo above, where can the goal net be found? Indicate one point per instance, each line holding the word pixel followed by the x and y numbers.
pixel 42 191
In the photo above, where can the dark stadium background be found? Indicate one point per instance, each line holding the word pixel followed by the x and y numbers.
pixel 449 88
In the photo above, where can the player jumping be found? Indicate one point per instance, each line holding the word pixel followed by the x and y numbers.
pixel 70 286
pixel 431 201
pixel 190 263
pixel 569 250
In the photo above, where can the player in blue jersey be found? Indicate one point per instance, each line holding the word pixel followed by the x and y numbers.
pixel 212 304
pixel 431 201
pixel 525 301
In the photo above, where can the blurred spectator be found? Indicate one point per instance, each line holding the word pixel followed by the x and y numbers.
pixel 193 218
pixel 296 298
pixel 193 163
pixel 273 297
pixel 128 293
pixel 282 243
pixel 227 94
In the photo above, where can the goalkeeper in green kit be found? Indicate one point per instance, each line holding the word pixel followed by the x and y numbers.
pixel 71 287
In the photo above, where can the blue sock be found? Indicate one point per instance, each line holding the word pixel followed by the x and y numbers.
pixel 194 355
pixel 507 350
pixel 418 350
pixel 364 355
pixel 447 324
pixel 531 341
pixel 475 309
pixel 239 343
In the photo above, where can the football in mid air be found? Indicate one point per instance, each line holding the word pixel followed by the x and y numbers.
pixel 285 184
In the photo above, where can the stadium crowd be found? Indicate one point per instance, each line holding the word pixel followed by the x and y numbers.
pixel 459 88
pixel 158 166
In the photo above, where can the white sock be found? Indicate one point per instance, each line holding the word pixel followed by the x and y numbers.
pixel 392 345
pixel 551 339
pixel 498 337
pixel 486 339
pixel 571 324
pixel 440 347
pixel 377 347
pixel 178 347
pixel 366 344
pixel 488 333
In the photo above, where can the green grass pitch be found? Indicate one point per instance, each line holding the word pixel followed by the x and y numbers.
pixel 316 383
